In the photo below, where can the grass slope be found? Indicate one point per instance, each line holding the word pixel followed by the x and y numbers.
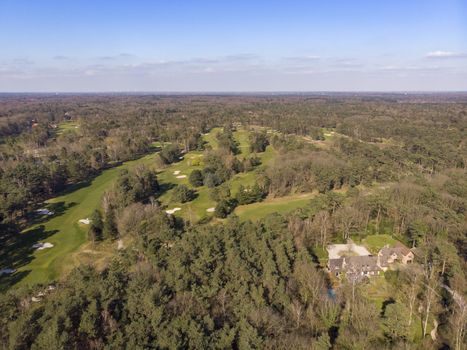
pixel 280 205
pixel 62 229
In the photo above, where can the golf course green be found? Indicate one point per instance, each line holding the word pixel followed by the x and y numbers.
pixel 69 237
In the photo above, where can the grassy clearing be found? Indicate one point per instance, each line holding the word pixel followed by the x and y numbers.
pixel 380 292
pixel 62 230
pixel 242 137
pixel 210 137
pixel 322 255
pixel 375 242
pixel 280 205
pixel 65 126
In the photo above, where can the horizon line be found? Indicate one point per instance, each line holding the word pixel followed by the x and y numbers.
pixel 261 92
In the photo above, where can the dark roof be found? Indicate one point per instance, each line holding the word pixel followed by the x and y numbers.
pixel 362 263
pixel 335 264
pixel 401 249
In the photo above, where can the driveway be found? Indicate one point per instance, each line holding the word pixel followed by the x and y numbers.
pixel 337 250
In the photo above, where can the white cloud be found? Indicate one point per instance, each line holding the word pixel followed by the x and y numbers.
pixel 445 54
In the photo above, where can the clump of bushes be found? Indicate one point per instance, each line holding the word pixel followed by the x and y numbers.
pixel 183 194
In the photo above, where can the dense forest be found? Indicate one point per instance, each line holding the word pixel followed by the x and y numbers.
pixel 373 165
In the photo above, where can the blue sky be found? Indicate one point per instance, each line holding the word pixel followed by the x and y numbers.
pixel 240 45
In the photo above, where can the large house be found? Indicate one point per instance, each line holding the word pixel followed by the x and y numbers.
pixel 364 265
pixel 370 265
pixel 389 255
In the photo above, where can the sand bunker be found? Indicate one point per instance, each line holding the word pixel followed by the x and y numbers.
pixel 85 221
pixel 44 212
pixel 176 172
pixel 120 245
pixel 42 246
pixel 211 210
pixel 181 176
pixel 171 211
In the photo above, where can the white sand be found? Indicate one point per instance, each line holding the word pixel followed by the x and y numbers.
pixel 85 221
pixel 34 299
pixel 180 158
pixel 171 211
pixel 336 250
pixel 7 271
pixel 120 244
pixel 44 212
pixel 42 246
pixel 211 210
pixel 181 176
pixel 176 172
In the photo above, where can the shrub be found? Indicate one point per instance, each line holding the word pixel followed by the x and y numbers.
pixel 183 194
pixel 170 154
pixel 225 207
pixel 196 178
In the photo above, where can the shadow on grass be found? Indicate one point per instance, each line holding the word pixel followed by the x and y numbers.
pixel 58 209
pixel 17 251
pixel 6 281
pixel 385 304
pixel 164 187
pixel 75 187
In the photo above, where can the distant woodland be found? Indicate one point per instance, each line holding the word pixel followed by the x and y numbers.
pixel 387 164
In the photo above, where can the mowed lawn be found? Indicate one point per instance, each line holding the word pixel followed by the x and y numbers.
pixel 63 229
pixel 375 242
pixel 280 205
pixel 67 126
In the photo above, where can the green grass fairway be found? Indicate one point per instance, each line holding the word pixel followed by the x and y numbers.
pixel 242 137
pixel 210 137
pixel 68 236
pixel 67 126
pixel 196 209
pixel 62 230
pixel 280 205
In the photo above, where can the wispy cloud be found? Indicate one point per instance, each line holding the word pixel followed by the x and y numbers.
pixel 21 61
pixel 116 57
pixel 445 54
pixel 302 59
pixel 61 58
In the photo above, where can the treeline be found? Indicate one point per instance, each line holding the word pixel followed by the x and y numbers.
pixel 237 285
